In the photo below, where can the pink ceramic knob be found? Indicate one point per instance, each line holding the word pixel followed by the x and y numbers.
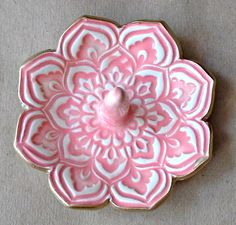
pixel 115 107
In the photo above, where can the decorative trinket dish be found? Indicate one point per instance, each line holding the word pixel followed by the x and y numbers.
pixel 114 114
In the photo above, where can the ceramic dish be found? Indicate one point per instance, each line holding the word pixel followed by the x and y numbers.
pixel 114 114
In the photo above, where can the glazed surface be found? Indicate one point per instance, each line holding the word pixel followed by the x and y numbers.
pixel 96 149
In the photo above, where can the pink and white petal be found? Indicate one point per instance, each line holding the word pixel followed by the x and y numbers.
pixel 111 164
pixel 155 83
pixel 41 78
pixel 117 67
pixel 77 148
pixel 161 118
pixel 81 78
pixel 150 43
pixel 36 140
pixel 87 39
pixel 191 88
pixel 78 186
pixel 147 151
pixel 141 188
pixel 63 112
pixel 187 148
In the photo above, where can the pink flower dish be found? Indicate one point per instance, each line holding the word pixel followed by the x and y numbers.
pixel 114 114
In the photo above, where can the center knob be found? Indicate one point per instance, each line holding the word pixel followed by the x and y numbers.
pixel 115 106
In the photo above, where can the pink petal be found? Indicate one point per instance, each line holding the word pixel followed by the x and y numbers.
pixel 191 88
pixel 36 140
pixel 187 148
pixel 156 81
pixel 63 112
pixel 147 151
pixel 78 186
pixel 162 118
pixel 76 148
pixel 149 43
pixel 111 164
pixel 80 78
pixel 87 39
pixel 41 78
pixel 141 189
pixel 117 67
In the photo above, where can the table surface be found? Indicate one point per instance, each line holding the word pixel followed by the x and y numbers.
pixel 206 30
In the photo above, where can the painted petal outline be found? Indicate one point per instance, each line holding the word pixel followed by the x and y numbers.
pixel 162 84
pixel 75 151
pixel 37 154
pixel 71 40
pixel 63 112
pixel 111 164
pixel 153 155
pixel 80 77
pixel 30 89
pixel 117 63
pixel 198 135
pixel 166 49
pixel 86 190
pixel 128 196
pixel 194 91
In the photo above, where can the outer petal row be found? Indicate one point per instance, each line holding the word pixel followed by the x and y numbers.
pixel 149 43
pixel 79 187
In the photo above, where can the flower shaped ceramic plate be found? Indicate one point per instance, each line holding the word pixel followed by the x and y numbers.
pixel 114 114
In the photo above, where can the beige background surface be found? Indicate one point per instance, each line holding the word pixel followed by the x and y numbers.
pixel 207 32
